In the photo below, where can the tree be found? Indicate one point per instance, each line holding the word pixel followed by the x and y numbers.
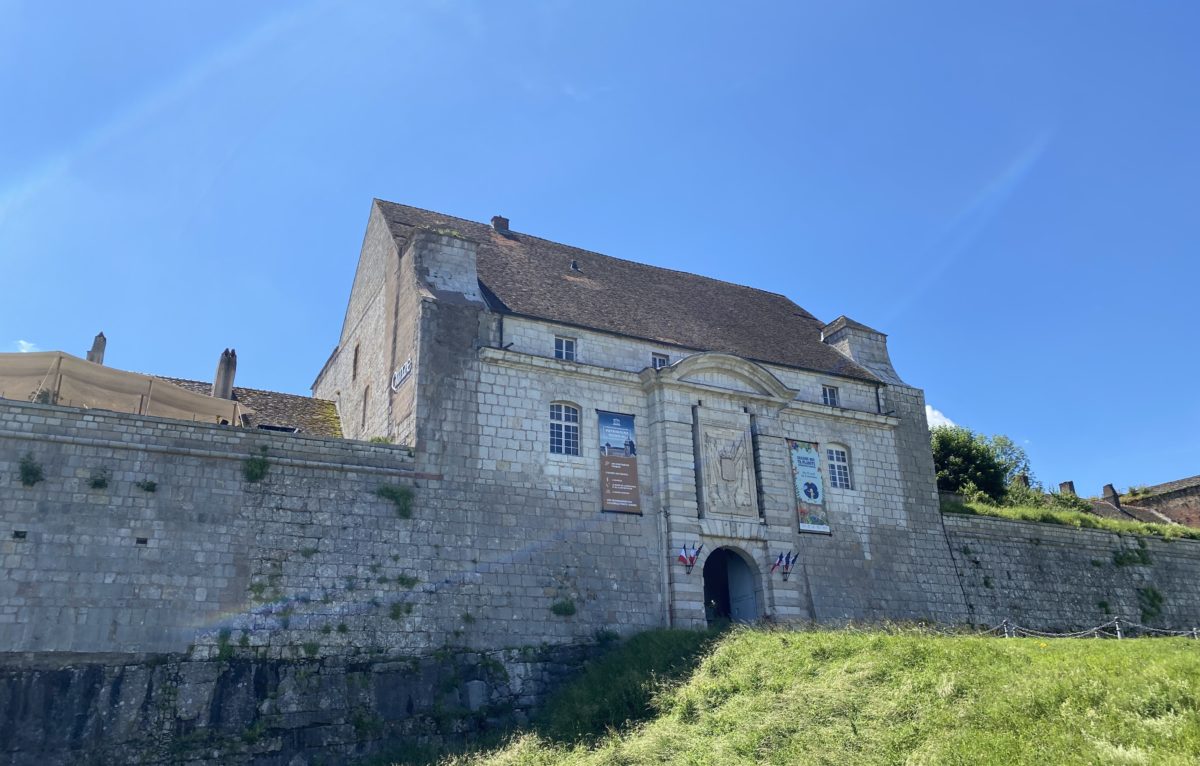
pixel 966 463
pixel 1012 458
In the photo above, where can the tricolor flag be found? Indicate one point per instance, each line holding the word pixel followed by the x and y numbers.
pixel 683 559
pixel 778 563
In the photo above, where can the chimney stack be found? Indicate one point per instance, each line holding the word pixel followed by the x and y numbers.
pixel 1111 495
pixel 97 353
pixel 1067 488
pixel 500 224
pixel 226 368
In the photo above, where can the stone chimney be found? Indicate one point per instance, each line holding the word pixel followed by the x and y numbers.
pixel 1067 488
pixel 226 369
pixel 97 353
pixel 1111 495
pixel 500 224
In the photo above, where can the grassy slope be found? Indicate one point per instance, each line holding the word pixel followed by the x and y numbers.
pixel 1076 519
pixel 850 697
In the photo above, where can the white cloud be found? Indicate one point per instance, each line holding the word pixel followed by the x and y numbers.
pixel 25 346
pixel 936 418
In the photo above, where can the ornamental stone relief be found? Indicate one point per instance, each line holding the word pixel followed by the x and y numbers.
pixel 727 467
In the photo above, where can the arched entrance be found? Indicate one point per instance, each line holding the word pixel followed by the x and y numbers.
pixel 729 587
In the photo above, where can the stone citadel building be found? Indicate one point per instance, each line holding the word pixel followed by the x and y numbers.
pixel 524 362
pixel 516 449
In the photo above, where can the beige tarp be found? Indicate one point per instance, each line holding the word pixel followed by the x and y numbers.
pixel 59 378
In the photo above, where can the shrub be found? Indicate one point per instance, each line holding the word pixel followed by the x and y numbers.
pixel 399 494
pixel 1151 601
pixel 100 478
pixel 146 485
pixel 255 467
pixel 30 470
pixel 563 608
pixel 311 648
pixel 406 581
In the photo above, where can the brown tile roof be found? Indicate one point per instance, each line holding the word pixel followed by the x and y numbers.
pixel 1128 512
pixel 845 321
pixel 1170 486
pixel 317 417
pixel 533 277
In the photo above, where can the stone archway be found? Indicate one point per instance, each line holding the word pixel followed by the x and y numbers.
pixel 730 587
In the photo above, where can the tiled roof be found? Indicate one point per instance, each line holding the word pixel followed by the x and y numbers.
pixel 1170 486
pixel 1128 512
pixel 307 415
pixel 845 321
pixel 533 277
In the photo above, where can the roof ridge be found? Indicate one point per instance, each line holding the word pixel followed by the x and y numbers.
pixel 606 255
pixel 244 388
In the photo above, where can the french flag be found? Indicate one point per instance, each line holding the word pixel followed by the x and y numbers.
pixel 778 563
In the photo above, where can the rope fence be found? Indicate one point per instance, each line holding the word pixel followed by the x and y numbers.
pixel 1115 628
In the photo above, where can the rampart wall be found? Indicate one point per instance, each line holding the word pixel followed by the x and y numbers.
pixel 1058 578
pixel 308 562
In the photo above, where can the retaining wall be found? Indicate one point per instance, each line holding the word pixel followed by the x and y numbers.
pixel 1058 578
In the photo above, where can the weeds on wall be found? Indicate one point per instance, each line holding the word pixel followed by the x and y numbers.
pixel 400 495
pixel 1151 601
pixel 255 467
pixel 30 470
pixel 406 581
pixel 146 485
pixel 100 478
pixel 563 608
pixel 1132 557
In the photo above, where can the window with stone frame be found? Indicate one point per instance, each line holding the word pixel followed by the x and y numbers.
pixel 837 460
pixel 564 348
pixel 564 429
pixel 659 361
pixel 829 395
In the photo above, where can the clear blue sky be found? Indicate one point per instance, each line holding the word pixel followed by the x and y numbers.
pixel 1009 190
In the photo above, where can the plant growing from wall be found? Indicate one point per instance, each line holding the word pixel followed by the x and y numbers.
pixel 400 495
pixel 224 650
pixel 146 485
pixel 30 470
pixel 1151 601
pixel 406 581
pixel 563 608
pixel 100 478
pixel 255 467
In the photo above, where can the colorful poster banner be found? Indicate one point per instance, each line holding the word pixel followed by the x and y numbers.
pixel 619 489
pixel 810 490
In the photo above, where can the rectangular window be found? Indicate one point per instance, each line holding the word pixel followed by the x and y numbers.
pixel 839 468
pixel 564 429
pixel 829 395
pixel 659 361
pixel 564 348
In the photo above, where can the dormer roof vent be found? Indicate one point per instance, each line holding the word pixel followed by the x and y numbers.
pixel 500 224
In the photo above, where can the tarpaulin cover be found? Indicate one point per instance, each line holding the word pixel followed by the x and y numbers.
pixel 58 378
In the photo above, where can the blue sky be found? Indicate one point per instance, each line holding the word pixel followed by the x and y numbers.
pixel 1009 190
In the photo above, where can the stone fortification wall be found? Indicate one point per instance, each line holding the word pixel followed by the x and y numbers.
pixel 62 710
pixel 1056 578
pixel 308 562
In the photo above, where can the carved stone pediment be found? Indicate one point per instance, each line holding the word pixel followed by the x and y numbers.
pixel 723 371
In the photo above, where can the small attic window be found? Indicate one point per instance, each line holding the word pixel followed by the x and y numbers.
pixel 280 429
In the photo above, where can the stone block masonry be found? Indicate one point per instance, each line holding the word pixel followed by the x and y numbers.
pixel 62 710
pixel 308 562
pixel 1057 578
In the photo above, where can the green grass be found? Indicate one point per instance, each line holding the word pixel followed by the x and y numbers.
pixel 875 697
pixel 1076 519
